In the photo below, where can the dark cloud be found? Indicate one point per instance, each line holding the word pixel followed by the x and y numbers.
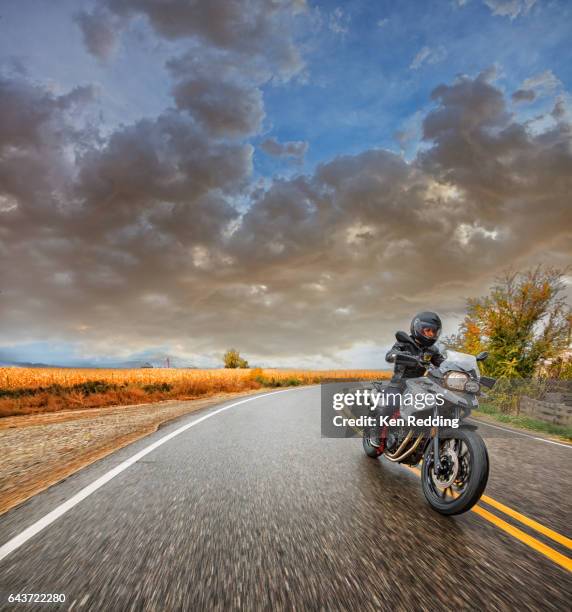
pixel 30 113
pixel 167 159
pixel 371 237
pixel 220 90
pixel 94 228
pixel 100 32
pixel 467 105
pixel 248 27
pixel 559 110
pixel 226 109
pixel 157 235
pixel 523 95
pixel 36 174
pixel 293 149
pixel 512 180
pixel 233 47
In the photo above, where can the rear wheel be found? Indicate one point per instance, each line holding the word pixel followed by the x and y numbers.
pixel 463 476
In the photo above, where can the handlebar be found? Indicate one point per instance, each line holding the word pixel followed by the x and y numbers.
pixel 411 359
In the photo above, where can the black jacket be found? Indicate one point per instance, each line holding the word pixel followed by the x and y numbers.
pixel 432 354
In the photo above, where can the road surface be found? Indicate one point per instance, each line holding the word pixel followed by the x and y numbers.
pixel 251 509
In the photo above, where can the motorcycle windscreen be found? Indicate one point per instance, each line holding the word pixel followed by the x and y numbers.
pixel 460 361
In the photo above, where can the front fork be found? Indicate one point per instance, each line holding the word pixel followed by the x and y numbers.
pixel 435 431
pixel 436 458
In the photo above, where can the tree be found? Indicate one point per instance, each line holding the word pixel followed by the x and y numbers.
pixel 232 359
pixel 524 320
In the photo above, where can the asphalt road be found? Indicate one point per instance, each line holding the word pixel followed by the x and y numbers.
pixel 251 509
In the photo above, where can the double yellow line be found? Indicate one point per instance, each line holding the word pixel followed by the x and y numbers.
pixel 524 537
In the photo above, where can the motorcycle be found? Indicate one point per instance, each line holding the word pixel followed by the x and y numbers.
pixel 454 461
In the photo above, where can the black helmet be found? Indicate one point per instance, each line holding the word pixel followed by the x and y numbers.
pixel 426 328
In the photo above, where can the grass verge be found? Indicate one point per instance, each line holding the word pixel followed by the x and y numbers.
pixel 524 422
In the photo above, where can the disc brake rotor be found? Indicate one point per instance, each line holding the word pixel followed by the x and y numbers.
pixel 449 456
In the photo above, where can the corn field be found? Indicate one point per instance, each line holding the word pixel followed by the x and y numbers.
pixel 35 390
pixel 34 378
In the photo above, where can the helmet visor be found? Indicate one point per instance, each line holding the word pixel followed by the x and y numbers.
pixel 427 330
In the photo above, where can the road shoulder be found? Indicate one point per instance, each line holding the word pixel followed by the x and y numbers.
pixel 41 450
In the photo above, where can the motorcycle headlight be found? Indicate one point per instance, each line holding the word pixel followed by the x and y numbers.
pixel 456 381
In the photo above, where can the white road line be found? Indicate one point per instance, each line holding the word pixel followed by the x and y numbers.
pixel 520 433
pixel 55 514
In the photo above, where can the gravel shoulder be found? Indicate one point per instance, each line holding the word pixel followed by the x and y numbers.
pixel 40 450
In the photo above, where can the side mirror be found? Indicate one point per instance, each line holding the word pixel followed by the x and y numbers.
pixel 401 336
pixel 482 356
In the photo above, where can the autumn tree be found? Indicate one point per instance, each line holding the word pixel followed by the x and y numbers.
pixel 232 359
pixel 524 320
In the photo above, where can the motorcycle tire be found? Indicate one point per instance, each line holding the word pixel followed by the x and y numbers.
pixel 371 451
pixel 477 480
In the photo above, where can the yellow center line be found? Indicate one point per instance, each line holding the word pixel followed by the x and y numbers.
pixel 557 537
pixel 535 544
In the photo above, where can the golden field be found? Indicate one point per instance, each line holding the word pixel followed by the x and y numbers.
pixel 36 390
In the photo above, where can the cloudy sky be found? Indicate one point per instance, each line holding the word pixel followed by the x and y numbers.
pixel 294 178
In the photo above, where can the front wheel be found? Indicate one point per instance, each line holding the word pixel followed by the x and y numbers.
pixel 463 475
pixel 370 450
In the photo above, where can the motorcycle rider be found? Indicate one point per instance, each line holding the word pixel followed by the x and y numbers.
pixel 424 333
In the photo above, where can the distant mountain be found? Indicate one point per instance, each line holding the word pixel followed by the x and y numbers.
pixel 101 364
pixel 156 360
pixel 25 364
pixel 67 355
